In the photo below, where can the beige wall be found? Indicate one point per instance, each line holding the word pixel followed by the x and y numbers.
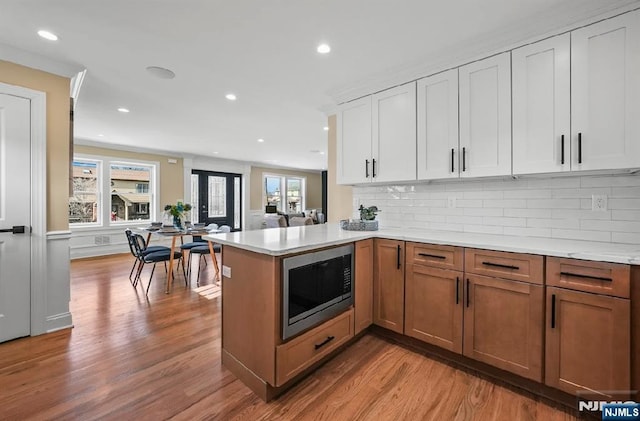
pixel 339 198
pixel 314 186
pixel 171 175
pixel 58 103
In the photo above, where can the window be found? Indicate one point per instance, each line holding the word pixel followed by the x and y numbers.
pixel 130 191
pixel 286 193
pixel 109 191
pixel 217 197
pixel 84 205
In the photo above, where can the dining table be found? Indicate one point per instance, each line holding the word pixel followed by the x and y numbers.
pixel 174 234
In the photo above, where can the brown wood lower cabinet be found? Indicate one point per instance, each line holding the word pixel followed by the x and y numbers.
pixel 503 324
pixel 388 284
pixel 433 306
pixel 363 287
pixel 303 351
pixel 587 342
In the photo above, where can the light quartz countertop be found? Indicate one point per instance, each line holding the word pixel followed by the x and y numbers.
pixel 282 241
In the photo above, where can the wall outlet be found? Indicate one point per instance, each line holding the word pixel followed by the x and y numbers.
pixel 226 271
pixel 599 202
pixel 451 202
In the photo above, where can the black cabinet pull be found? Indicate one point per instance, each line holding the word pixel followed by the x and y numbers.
pixel 464 159
pixel 366 168
pixel 562 149
pixel 435 256
pixel 457 289
pixel 577 275
pixel 468 292
pixel 498 265
pixel 553 311
pixel 374 168
pixel 452 167
pixel 579 148
pixel 398 267
pixel 326 341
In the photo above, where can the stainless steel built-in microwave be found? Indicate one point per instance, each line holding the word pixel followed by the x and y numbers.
pixel 316 287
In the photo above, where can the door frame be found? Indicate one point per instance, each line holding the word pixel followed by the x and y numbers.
pixel 38 201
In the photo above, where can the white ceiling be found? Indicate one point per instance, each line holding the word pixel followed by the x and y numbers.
pixel 264 51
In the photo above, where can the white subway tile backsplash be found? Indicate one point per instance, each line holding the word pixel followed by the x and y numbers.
pixel 540 206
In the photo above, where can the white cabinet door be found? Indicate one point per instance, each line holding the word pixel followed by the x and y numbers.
pixel 605 89
pixel 394 134
pixel 542 106
pixel 438 126
pixel 354 142
pixel 485 117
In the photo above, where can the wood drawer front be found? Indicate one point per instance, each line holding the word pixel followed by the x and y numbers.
pixel 299 353
pixel 444 257
pixel 588 276
pixel 501 264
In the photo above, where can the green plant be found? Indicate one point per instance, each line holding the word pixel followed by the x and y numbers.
pixel 178 209
pixel 368 214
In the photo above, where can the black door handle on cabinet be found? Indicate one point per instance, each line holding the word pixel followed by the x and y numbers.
pixel 468 292
pixel 464 159
pixel 326 341
pixel 498 265
pixel 457 289
pixel 452 167
pixel 562 149
pixel 366 168
pixel 398 263
pixel 579 148
pixel 577 275
pixel 553 311
pixel 374 168
pixel 435 256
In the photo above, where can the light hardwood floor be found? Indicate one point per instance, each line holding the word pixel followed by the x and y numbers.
pixel 132 358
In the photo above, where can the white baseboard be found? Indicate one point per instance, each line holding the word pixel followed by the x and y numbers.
pixel 58 322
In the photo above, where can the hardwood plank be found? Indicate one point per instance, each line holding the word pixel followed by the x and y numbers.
pixel 129 357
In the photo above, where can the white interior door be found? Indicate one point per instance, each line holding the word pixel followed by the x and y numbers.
pixel 15 210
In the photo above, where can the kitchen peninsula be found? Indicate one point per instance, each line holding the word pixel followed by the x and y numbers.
pixel 515 304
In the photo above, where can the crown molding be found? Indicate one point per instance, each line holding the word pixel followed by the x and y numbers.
pixel 496 42
pixel 35 61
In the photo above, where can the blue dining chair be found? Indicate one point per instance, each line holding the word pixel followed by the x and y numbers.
pixel 147 250
pixel 140 245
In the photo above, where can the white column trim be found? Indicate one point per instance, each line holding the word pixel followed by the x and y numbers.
pixel 58 235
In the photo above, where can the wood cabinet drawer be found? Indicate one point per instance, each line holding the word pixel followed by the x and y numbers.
pixel 301 352
pixel 444 257
pixel 501 264
pixel 588 276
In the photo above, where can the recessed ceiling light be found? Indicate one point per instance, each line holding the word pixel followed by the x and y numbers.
pixel 325 128
pixel 230 97
pixel 100 135
pixel 123 110
pixel 161 72
pixel 260 140
pixel 323 48
pixel 216 152
pixel 48 35
pixel 321 152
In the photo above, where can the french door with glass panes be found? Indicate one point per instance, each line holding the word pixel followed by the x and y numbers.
pixel 216 198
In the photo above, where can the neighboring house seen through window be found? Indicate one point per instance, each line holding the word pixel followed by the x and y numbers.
pixel 287 193
pixel 122 189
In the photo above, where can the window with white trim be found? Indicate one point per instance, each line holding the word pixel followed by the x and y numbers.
pixel 287 193
pixel 110 191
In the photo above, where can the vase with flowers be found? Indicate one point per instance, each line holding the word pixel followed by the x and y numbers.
pixel 177 211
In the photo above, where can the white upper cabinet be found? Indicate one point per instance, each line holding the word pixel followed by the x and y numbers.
pixel 354 142
pixel 542 106
pixel 605 89
pixel 377 137
pixel 438 150
pixel 485 117
pixel 394 134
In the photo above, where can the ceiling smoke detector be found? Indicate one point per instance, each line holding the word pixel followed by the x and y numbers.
pixel 161 72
